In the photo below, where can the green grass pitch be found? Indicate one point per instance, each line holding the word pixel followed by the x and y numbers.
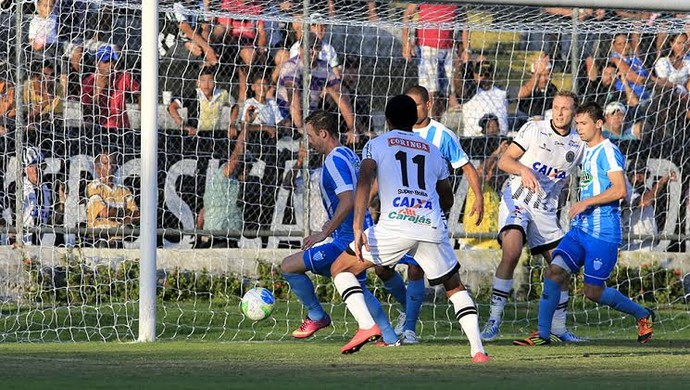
pixel 600 364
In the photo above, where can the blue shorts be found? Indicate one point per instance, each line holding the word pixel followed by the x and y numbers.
pixel 318 259
pixel 579 249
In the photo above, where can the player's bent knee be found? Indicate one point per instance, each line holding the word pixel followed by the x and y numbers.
pixel 415 272
pixel 556 273
pixel 293 264
pixel 384 273
pixel 593 292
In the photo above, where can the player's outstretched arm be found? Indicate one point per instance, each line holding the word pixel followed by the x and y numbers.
pixel 617 191
pixel 509 163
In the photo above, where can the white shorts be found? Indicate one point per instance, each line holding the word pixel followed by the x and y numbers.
pixel 540 228
pixel 435 69
pixel 387 247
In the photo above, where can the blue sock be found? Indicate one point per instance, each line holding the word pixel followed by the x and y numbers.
pixel 613 298
pixel 396 287
pixel 547 306
pixel 302 286
pixel 379 316
pixel 415 299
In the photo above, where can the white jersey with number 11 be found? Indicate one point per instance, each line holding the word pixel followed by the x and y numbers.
pixel 408 168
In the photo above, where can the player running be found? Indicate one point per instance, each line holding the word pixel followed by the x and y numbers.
pixel 412 296
pixel 539 161
pixel 595 232
pixel 338 181
pixel 414 190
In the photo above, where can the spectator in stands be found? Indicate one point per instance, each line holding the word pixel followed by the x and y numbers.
pixel 109 205
pixel 184 34
pixel 105 93
pixel 323 81
pixel 39 208
pixel 261 113
pixel 281 34
pixel 205 108
pixel 294 180
pixel 558 46
pixel 638 213
pixel 489 99
pixel 630 66
pixel 349 84
pixel 8 110
pixel 614 115
pixel 491 183
pixel 264 125
pixel 435 50
pixel 673 69
pixel 536 94
pixel 222 211
pixel 43 27
pixel 602 89
pixel 43 100
pixel 244 40
pixel 327 52
pixel 463 78
pixel 490 126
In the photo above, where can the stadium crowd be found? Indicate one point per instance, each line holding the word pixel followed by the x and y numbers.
pixel 232 90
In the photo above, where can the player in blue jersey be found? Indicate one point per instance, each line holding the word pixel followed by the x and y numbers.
pixel 595 232
pixel 412 296
pixel 338 182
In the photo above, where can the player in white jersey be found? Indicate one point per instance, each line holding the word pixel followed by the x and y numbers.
pixel 412 296
pixel 539 161
pixel 595 232
pixel 414 190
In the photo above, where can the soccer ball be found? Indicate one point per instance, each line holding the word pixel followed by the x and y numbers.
pixel 257 303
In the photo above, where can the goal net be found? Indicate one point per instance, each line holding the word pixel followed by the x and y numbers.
pixel 232 188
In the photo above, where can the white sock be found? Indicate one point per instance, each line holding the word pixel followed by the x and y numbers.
pixel 499 296
pixel 559 316
pixel 351 291
pixel 466 313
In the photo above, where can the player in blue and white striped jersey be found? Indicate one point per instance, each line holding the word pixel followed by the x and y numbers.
pixel 595 232
pixel 412 296
pixel 338 182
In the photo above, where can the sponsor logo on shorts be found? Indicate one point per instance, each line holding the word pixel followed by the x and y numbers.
pixel 318 256
pixel 409 215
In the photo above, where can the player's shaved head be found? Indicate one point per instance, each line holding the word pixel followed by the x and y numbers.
pixel 401 112
pixel 419 91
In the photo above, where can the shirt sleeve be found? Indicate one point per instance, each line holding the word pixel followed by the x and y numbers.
pixel 451 149
pixel 369 151
pixel 33 27
pixel 341 173
pixel 441 168
pixel 612 160
pixel 661 68
pixel 523 137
